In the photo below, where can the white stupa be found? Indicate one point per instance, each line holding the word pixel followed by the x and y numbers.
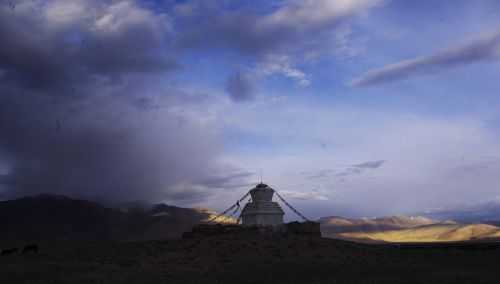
pixel 262 210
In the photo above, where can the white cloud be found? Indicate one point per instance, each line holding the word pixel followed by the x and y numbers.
pixel 312 14
pixel 67 12
pixel 301 195
pixel 280 64
pixel 116 17
pixel 295 32
pixel 123 15
pixel 477 50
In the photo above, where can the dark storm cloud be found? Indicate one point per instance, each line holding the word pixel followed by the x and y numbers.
pixel 240 87
pixel 5 180
pixel 109 150
pixel 54 54
pixel 483 49
pixel 82 110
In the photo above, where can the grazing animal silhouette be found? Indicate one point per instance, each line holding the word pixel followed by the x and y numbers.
pixel 9 251
pixel 30 248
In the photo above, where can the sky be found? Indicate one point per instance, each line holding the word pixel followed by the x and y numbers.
pixel 345 107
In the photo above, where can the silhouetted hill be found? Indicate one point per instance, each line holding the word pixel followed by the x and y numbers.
pixel 59 217
pixel 55 217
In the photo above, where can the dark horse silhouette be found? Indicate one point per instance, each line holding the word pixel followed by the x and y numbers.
pixel 9 251
pixel 30 248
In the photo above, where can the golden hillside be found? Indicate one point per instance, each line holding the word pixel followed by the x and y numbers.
pixel 429 233
pixel 210 215
pixel 385 222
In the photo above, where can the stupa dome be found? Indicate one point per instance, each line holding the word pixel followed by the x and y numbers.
pixel 262 192
pixel 262 210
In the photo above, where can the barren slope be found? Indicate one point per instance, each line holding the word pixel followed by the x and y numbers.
pixel 430 233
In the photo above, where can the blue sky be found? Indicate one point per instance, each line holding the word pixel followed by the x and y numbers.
pixel 351 107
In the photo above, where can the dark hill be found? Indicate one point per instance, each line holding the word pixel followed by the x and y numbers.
pixel 62 218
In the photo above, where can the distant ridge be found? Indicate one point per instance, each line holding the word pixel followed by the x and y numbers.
pixel 484 212
pixel 405 229
pixel 336 224
pixel 48 216
pixel 431 233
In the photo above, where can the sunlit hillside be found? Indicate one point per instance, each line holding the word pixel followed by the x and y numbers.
pixel 430 233
pixel 342 224
pixel 211 216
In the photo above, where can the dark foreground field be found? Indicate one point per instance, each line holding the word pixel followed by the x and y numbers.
pixel 256 260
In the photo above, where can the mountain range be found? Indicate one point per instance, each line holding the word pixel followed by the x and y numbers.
pixel 59 217
pixel 405 229
pixel 63 218
pixel 483 212
pixel 336 224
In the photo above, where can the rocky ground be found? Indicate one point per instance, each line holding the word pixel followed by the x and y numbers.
pixel 256 259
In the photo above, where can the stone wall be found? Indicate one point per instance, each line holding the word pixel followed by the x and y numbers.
pixel 308 228
pixel 262 219
pixel 311 229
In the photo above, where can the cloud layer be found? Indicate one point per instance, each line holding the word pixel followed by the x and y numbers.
pixel 271 38
pixel 83 110
pixel 405 168
pixel 73 44
pixel 185 101
pixel 259 34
